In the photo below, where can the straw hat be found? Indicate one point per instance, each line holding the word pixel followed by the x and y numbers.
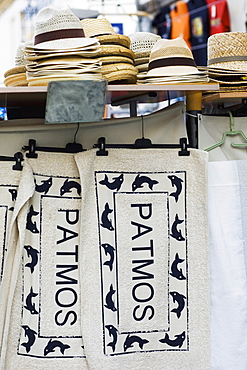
pixel 97 27
pixel 228 51
pixel 171 57
pixel 59 29
pixel 143 42
pixel 16 76
pixel 102 29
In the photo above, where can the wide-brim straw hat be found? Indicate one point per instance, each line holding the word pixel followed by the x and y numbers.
pixel 228 50
pixel 171 57
pixel 16 76
pixel 114 39
pixel 143 42
pixel 103 30
pixel 116 51
pixel 59 29
pixel 93 27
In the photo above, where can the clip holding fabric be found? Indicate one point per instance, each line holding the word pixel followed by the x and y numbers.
pixel 69 148
pixel 17 158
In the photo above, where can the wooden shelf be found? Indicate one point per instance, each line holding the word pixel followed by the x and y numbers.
pixel 221 97
pixel 33 96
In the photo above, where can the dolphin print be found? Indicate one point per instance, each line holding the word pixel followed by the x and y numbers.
pixel 178 274
pixel 131 339
pixel 68 185
pixel 30 225
pixel 178 342
pixel 140 180
pixel 105 221
pixel 33 253
pixel 44 187
pixel 177 182
pixel 31 334
pixel 113 332
pixel 115 184
pixel 109 250
pixel 30 306
pixel 53 344
pixel 176 234
pixel 109 301
pixel 180 299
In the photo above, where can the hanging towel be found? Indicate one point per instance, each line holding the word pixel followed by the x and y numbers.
pixel 45 329
pixel 166 125
pixel 15 234
pixel 228 244
pixel 9 182
pixel 144 264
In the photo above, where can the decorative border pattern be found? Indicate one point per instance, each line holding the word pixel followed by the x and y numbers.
pixel 53 215
pixel 141 192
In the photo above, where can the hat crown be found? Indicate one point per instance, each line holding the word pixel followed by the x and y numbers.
pixel 167 48
pixel 51 19
pixel 227 43
pixel 171 57
pixel 97 26
pixel 143 41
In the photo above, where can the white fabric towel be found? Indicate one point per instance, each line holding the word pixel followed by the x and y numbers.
pixel 144 259
pixel 9 182
pixel 45 328
pixel 14 244
pixel 228 242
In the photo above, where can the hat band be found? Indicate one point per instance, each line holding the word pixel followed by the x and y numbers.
pixel 58 34
pixel 168 62
pixel 233 58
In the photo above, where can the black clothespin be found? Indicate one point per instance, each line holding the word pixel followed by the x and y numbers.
pixel 101 145
pixel 31 149
pixel 184 146
pixel 17 158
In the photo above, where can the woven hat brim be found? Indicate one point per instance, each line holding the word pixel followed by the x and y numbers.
pixel 43 81
pixel 141 61
pixel 91 54
pixel 142 54
pixel 16 80
pixel 115 59
pixel 115 39
pixel 116 50
pixel 69 43
pixel 118 67
pixel 15 70
pixel 222 72
pixel 70 60
pixel 121 77
pixel 142 67
pixel 234 65
pixel 174 70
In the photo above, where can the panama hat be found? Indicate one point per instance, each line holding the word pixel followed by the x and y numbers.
pixel 59 29
pixel 142 42
pixel 171 57
pixel 228 50
pixel 16 76
pixel 102 29
pixel 93 27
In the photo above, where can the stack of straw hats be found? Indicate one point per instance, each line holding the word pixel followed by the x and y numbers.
pixel 60 50
pixel 115 55
pixel 171 61
pixel 16 76
pixel 227 60
pixel 142 43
